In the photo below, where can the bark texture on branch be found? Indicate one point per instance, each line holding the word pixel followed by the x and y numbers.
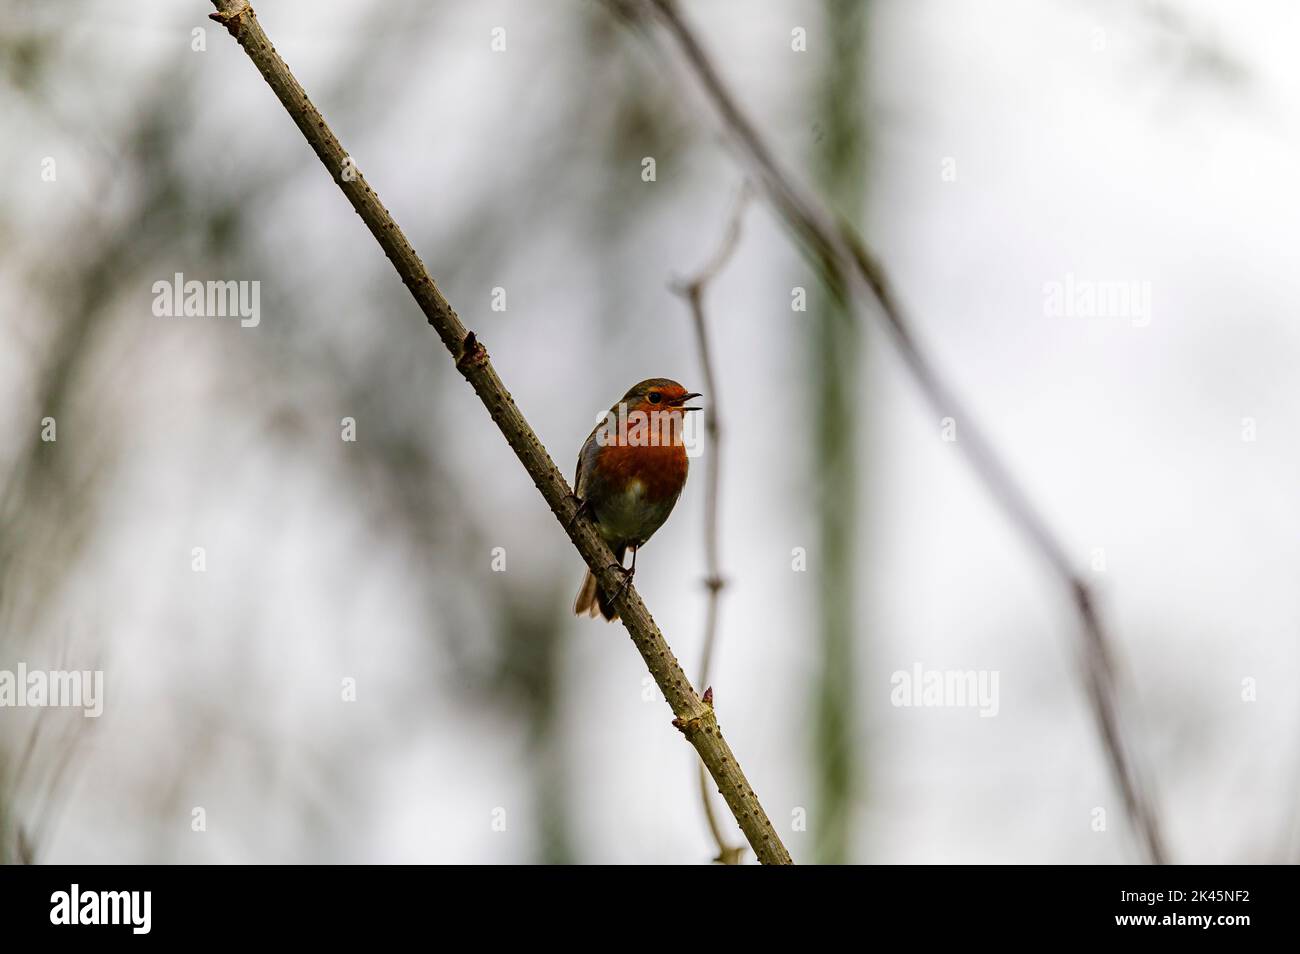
pixel 693 716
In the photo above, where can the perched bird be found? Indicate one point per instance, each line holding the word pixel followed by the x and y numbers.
pixel 630 473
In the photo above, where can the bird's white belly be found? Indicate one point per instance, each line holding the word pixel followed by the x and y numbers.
pixel 629 518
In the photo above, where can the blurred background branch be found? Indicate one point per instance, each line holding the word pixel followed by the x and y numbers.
pixel 837 370
pixel 852 272
pixel 693 290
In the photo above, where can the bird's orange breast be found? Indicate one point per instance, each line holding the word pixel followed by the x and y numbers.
pixel 661 470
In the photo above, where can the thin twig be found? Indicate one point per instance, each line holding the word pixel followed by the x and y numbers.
pixel 693 291
pixel 693 716
pixel 851 272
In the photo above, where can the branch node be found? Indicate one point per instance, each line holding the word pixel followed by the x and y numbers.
pixel 697 723
pixel 472 353
pixel 234 20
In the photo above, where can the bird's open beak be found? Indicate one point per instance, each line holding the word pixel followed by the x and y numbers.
pixel 681 401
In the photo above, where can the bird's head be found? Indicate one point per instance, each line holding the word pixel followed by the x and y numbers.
pixel 658 394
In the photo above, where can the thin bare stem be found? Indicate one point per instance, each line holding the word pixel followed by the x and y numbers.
pixel 854 274
pixel 694 717
pixel 693 291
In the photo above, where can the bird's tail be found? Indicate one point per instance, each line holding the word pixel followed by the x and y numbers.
pixel 592 600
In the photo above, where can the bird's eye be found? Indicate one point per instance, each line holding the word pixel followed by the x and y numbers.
pixel 655 397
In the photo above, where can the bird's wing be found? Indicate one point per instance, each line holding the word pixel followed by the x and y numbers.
pixel 586 459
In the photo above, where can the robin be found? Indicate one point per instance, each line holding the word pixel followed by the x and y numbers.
pixel 630 473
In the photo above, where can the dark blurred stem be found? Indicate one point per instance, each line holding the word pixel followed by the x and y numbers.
pixel 693 717
pixel 534 643
pixel 835 375
pixel 693 291
pixel 856 276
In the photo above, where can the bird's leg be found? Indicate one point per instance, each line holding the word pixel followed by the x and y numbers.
pixel 584 506
pixel 627 576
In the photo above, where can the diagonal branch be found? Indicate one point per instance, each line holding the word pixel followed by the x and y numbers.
pixel 693 291
pixel 693 716
pixel 854 274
